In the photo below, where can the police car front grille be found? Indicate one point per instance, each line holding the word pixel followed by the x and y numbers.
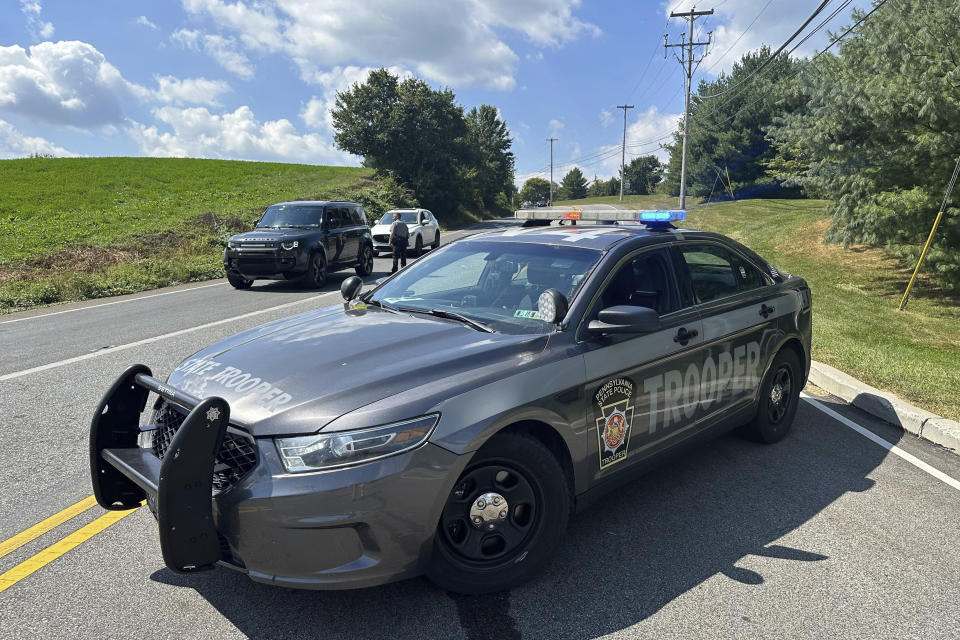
pixel 235 459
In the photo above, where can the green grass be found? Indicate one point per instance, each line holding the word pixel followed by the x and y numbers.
pixel 856 328
pixel 47 204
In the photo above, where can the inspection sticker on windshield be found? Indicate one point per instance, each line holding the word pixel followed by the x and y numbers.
pixel 527 313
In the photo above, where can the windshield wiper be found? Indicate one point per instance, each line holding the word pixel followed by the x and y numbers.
pixel 451 315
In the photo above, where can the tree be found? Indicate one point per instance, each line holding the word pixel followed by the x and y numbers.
pixel 600 188
pixel 728 121
pixel 573 186
pixel 642 175
pixel 881 132
pixel 421 136
pixel 491 167
pixel 535 190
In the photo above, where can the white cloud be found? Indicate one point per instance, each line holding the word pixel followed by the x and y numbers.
pixel 196 132
pixel 72 84
pixel 39 30
pixel 554 127
pixel 14 144
pixel 67 83
pixel 774 24
pixel 453 42
pixel 606 118
pixel 222 49
pixel 145 22
pixel 173 90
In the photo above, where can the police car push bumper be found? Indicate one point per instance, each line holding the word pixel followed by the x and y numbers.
pixel 124 474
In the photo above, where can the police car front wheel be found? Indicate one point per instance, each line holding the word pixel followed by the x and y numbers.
pixel 779 396
pixel 501 521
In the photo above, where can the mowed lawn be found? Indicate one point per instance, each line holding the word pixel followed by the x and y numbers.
pixel 47 204
pixel 856 291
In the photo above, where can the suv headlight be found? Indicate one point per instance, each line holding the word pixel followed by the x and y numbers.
pixel 288 246
pixel 339 449
pixel 232 245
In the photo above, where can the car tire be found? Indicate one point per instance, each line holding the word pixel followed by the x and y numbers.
pixel 468 558
pixel 418 247
pixel 238 282
pixel 436 242
pixel 779 397
pixel 365 262
pixel 316 275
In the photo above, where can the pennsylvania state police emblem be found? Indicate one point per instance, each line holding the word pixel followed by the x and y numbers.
pixel 615 419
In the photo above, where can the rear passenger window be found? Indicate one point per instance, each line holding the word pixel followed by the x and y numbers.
pixel 335 216
pixel 717 272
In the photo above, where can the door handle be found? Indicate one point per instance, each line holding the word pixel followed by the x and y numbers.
pixel 765 310
pixel 683 336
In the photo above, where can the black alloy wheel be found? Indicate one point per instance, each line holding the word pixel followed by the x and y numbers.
pixel 316 275
pixel 238 282
pixel 436 242
pixel 502 519
pixel 365 264
pixel 778 400
pixel 418 247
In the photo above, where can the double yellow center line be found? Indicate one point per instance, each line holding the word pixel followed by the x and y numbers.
pixel 57 549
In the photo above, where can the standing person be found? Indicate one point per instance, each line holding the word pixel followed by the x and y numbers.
pixel 399 237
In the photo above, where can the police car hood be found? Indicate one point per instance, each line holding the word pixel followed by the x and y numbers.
pixel 296 375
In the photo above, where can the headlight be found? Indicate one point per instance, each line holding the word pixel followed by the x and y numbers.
pixel 290 245
pixel 340 449
pixel 232 245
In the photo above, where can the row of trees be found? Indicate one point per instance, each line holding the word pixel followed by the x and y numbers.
pixel 643 174
pixel 423 138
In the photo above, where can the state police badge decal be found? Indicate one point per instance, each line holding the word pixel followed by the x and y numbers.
pixel 615 418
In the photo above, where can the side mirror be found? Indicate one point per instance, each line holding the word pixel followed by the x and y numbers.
pixel 625 319
pixel 350 288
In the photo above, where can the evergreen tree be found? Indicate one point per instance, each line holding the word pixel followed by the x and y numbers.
pixel 573 186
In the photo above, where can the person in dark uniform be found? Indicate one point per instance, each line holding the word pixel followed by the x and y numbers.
pixel 399 237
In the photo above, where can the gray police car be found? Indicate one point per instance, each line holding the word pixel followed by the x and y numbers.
pixel 331 450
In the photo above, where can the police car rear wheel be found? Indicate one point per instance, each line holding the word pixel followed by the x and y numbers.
pixel 779 397
pixel 500 522
pixel 317 273
pixel 238 282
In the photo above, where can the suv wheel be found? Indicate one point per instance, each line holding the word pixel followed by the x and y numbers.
pixel 316 275
pixel 365 263
pixel 779 397
pixel 436 241
pixel 502 519
pixel 238 282
pixel 418 247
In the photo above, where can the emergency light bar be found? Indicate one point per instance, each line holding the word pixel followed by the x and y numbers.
pixel 590 213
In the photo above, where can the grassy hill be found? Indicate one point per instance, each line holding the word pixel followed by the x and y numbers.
pixel 856 291
pixel 76 228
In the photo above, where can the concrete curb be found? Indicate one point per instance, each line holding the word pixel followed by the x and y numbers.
pixel 886 406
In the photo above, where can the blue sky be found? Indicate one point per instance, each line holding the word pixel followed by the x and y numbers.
pixel 254 79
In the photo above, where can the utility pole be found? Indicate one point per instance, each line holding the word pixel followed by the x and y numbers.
pixel 551 141
pixel 686 62
pixel 623 153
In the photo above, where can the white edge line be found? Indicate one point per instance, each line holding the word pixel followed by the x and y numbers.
pixel 130 345
pixel 107 304
pixel 892 448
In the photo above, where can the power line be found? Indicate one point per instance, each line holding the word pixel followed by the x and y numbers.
pixel 740 37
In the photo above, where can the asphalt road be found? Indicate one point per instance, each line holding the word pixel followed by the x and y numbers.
pixel 825 535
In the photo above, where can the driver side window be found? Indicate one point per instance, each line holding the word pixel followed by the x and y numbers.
pixel 644 280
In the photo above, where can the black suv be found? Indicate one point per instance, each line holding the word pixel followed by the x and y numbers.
pixel 301 240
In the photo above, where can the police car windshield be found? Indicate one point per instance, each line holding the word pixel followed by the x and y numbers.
pixel 494 283
pixel 409 217
pixel 287 215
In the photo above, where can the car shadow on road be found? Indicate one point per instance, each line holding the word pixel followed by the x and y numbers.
pixel 621 561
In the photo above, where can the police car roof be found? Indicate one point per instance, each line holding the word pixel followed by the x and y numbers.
pixel 590 236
